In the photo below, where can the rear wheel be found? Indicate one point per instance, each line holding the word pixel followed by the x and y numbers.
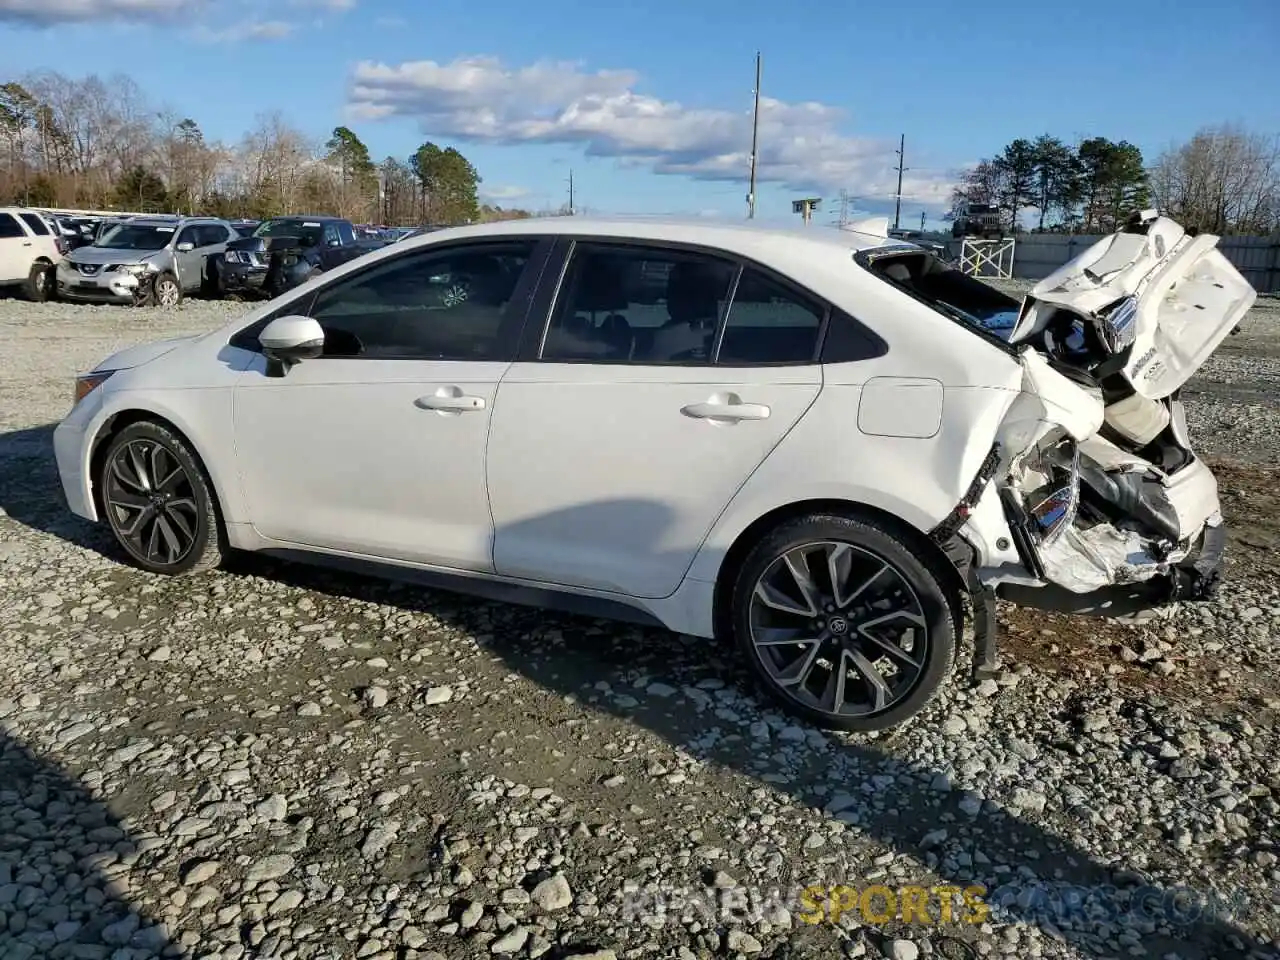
pixel 159 502
pixel 842 624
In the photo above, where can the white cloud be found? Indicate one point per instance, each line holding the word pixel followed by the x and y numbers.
pixel 48 13
pixel 503 193
pixel 45 13
pixel 256 30
pixel 478 99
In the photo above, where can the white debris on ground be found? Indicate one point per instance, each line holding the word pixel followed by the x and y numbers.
pixel 272 761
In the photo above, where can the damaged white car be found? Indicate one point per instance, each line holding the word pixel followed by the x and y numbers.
pixel 810 444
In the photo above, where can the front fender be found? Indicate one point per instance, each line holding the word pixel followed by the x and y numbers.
pixel 206 426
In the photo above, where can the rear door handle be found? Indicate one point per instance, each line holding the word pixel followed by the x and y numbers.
pixel 735 411
pixel 449 400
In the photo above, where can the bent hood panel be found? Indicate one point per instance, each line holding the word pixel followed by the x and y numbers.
pixel 1179 298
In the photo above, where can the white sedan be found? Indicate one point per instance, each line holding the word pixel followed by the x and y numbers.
pixel 814 444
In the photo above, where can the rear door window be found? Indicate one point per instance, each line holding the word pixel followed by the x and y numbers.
pixel 769 323
pixel 639 304
pixel 36 223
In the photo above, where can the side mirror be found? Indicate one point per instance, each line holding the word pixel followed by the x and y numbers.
pixel 185 246
pixel 288 340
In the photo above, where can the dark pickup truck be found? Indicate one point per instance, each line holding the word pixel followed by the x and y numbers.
pixel 283 252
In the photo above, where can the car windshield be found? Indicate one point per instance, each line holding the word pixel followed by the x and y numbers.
pixel 307 231
pixel 135 236
pixel 947 290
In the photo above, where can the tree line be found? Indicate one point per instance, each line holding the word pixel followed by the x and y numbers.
pixel 1224 180
pixel 94 143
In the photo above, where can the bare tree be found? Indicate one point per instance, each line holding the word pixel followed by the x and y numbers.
pixel 1223 180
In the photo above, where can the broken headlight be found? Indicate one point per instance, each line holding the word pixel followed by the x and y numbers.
pixel 1054 508
pixel 1119 324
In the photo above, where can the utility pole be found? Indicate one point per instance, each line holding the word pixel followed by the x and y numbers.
pixel 897 200
pixel 755 141
pixel 922 216
pixel 571 207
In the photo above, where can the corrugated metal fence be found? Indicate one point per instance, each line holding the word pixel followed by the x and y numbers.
pixel 1036 255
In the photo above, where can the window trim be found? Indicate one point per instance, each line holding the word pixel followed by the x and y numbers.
pixel 510 329
pixel 543 308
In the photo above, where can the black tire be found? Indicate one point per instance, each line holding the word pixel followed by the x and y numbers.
pixel 41 282
pixel 163 281
pixel 862 545
pixel 190 510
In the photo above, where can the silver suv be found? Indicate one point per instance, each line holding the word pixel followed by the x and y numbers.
pixel 148 259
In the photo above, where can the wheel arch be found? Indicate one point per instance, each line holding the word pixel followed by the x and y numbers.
pixel 934 557
pixel 117 422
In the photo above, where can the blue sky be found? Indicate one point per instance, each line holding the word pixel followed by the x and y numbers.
pixel 649 104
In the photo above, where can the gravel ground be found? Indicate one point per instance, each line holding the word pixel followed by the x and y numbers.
pixel 272 761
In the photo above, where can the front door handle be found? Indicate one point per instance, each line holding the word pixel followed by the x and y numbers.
pixel 730 409
pixel 449 400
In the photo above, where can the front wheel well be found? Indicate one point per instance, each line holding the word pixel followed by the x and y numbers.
pixel 929 552
pixel 113 426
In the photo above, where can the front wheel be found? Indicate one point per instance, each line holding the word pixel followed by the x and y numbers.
pixel 842 624
pixel 167 292
pixel 159 502
pixel 40 282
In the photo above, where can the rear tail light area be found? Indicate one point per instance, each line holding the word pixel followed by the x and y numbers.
pixel 60 243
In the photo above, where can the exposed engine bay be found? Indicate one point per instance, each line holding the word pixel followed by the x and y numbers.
pixel 1095 473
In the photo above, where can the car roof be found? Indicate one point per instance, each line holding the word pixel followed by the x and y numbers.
pixel 167 220
pixel 742 237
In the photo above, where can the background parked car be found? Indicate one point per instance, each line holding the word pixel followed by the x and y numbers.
pixel 146 259
pixel 29 250
pixel 286 251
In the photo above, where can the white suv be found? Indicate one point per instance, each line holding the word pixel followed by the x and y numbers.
pixel 29 250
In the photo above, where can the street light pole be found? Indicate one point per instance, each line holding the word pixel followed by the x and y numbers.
pixel 755 138
pixel 897 200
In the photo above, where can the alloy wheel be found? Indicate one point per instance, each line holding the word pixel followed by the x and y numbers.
pixel 167 293
pixel 41 281
pixel 839 629
pixel 151 502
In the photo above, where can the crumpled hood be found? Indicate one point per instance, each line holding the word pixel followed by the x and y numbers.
pixel 131 357
pixel 102 255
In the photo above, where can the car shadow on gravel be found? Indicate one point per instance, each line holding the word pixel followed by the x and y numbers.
pixel 1044 879
pixel 31 493
pixel 61 851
